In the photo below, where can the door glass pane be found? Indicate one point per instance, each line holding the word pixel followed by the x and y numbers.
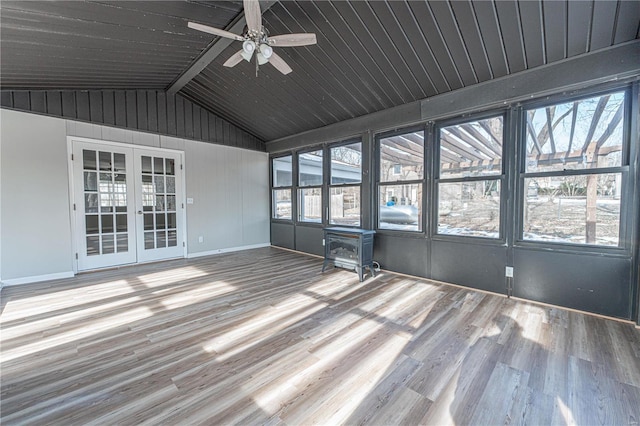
pixel 160 221
pixel 161 239
pixel 119 162
pixel 107 244
pixel 158 165
pixel 146 164
pixel 122 243
pixel 91 224
pixel 105 161
pixel 91 203
pixel 171 202
pixel 149 241
pixel 107 223
pixel 121 223
pixel 173 239
pixel 160 203
pixel 148 221
pixel 171 220
pixel 171 185
pixel 88 159
pixel 170 166
pixel 93 245
pixel 159 181
pixel 90 181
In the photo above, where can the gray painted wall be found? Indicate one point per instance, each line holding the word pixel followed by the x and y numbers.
pixel 36 226
pixel 228 185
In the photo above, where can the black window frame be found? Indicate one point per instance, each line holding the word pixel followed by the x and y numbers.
pixel 502 177
pixel 331 185
pixel 282 187
pixel 423 182
pixel 626 195
pixel 322 185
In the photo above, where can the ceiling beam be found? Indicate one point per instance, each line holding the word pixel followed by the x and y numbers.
pixel 213 51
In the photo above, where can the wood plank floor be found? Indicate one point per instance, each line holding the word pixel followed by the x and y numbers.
pixel 263 337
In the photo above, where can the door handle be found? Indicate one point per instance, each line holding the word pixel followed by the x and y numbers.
pixel 139 211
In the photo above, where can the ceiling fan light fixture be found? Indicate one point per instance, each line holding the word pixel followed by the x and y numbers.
pixel 266 50
pixel 248 47
pixel 262 59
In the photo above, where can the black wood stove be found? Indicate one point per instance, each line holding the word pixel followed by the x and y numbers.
pixel 349 248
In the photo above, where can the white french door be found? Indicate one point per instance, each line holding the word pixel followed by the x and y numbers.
pixel 128 204
pixel 158 183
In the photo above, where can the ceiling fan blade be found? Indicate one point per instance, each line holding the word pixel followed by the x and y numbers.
pixel 235 59
pixel 290 40
pixel 279 63
pixel 252 15
pixel 215 31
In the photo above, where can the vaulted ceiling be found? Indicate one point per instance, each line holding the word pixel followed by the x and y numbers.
pixel 370 55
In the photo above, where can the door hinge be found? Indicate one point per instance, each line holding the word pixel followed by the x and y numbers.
pixel 183 244
pixel 72 157
pixel 74 207
pixel 183 205
pixel 180 166
pixel 76 256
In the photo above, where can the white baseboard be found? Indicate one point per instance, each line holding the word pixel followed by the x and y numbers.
pixel 226 250
pixel 37 278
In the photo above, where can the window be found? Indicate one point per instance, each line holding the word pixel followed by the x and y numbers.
pixel 344 188
pixel 310 186
pixel 401 173
pixel 281 193
pixel 573 168
pixel 470 178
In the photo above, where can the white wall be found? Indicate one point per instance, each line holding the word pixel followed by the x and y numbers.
pixel 229 187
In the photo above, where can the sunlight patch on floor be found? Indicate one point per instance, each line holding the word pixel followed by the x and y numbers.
pixel 89 328
pixel 566 413
pixel 57 300
pixel 201 293
pixel 270 319
pixel 46 324
pixel 171 276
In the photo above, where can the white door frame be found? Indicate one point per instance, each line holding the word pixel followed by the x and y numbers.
pixel 72 201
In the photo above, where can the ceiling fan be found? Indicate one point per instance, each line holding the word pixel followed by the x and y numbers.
pixel 256 39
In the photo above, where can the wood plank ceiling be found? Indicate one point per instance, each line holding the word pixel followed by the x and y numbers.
pixel 370 56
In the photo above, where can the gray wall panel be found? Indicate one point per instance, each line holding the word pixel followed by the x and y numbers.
pixel 54 103
pixel 83 111
pixel 21 99
pixel 471 265
pixel 282 235
pixel 401 254
pixel 309 239
pixel 587 282
pixel 95 107
pixel 38 101
pixel 146 110
pixel 68 105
